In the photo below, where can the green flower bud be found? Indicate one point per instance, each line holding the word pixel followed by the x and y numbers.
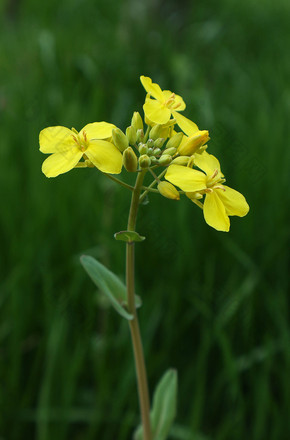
pixel 136 121
pixel 157 152
pixel 150 151
pixel 165 159
pixel 143 149
pixel 144 161
pixel 130 160
pixel 180 160
pixel 155 132
pixel 131 134
pixel 171 151
pixel 175 140
pixel 150 143
pixel 159 142
pixel 167 190
pixel 140 135
pixel 120 139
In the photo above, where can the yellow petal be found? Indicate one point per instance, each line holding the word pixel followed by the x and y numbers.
pixel 186 125
pixel 207 163
pixel 98 130
pixel 59 163
pixel 152 88
pixel 56 140
pixel 156 112
pixel 105 156
pixel 178 104
pixel 234 202
pixel 214 213
pixel 186 178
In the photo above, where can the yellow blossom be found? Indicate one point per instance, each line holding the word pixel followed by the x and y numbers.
pixel 220 201
pixel 67 147
pixel 160 104
pixel 193 139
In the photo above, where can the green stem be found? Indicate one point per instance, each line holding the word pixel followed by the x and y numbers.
pixel 151 185
pixel 119 181
pixel 134 325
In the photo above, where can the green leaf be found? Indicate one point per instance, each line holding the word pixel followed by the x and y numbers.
pixel 109 284
pixel 128 236
pixel 163 408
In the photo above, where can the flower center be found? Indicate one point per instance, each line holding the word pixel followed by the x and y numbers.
pixel 81 141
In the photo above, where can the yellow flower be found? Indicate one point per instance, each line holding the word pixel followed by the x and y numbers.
pixel 220 200
pixel 164 103
pixel 67 147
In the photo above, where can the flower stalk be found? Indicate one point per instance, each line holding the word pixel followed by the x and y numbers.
pixel 141 374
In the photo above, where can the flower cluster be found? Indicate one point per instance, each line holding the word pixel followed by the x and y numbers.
pixel 171 141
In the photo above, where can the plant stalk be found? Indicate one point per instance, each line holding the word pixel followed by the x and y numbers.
pixel 134 325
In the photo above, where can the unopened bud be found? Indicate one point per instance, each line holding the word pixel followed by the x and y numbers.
pixel 166 189
pixel 140 135
pixel 144 161
pixel 150 143
pixel 143 149
pixel 171 151
pixel 175 140
pixel 155 132
pixel 136 121
pixel 130 160
pixel 194 143
pixel 131 134
pixel 120 139
pixel 165 159
pixel 180 160
pixel 150 151
pixel 159 142
pixel 157 152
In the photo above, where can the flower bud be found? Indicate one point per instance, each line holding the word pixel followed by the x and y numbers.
pixel 171 151
pixel 159 142
pixel 194 143
pixel 144 161
pixel 157 152
pixel 155 132
pixel 136 121
pixel 166 189
pixel 140 135
pixel 165 159
pixel 130 160
pixel 175 140
pixel 120 139
pixel 150 143
pixel 131 134
pixel 150 151
pixel 143 149
pixel 180 160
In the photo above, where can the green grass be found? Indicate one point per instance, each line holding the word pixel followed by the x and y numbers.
pixel 215 305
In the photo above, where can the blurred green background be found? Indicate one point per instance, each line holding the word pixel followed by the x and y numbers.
pixel 215 305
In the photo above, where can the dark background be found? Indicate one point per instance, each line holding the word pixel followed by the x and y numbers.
pixel 215 304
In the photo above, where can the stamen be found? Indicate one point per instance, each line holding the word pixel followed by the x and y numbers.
pixel 176 105
pixel 219 187
pixel 215 174
pixel 85 136
pixel 76 139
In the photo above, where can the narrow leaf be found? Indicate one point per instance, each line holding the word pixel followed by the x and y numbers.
pixel 128 236
pixel 163 408
pixel 109 284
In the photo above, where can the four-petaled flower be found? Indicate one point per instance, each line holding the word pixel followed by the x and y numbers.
pixel 164 103
pixel 220 200
pixel 68 147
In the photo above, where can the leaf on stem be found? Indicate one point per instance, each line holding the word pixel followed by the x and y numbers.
pixel 128 236
pixel 109 284
pixel 163 408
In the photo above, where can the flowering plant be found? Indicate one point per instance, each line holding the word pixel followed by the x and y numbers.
pixel 175 146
